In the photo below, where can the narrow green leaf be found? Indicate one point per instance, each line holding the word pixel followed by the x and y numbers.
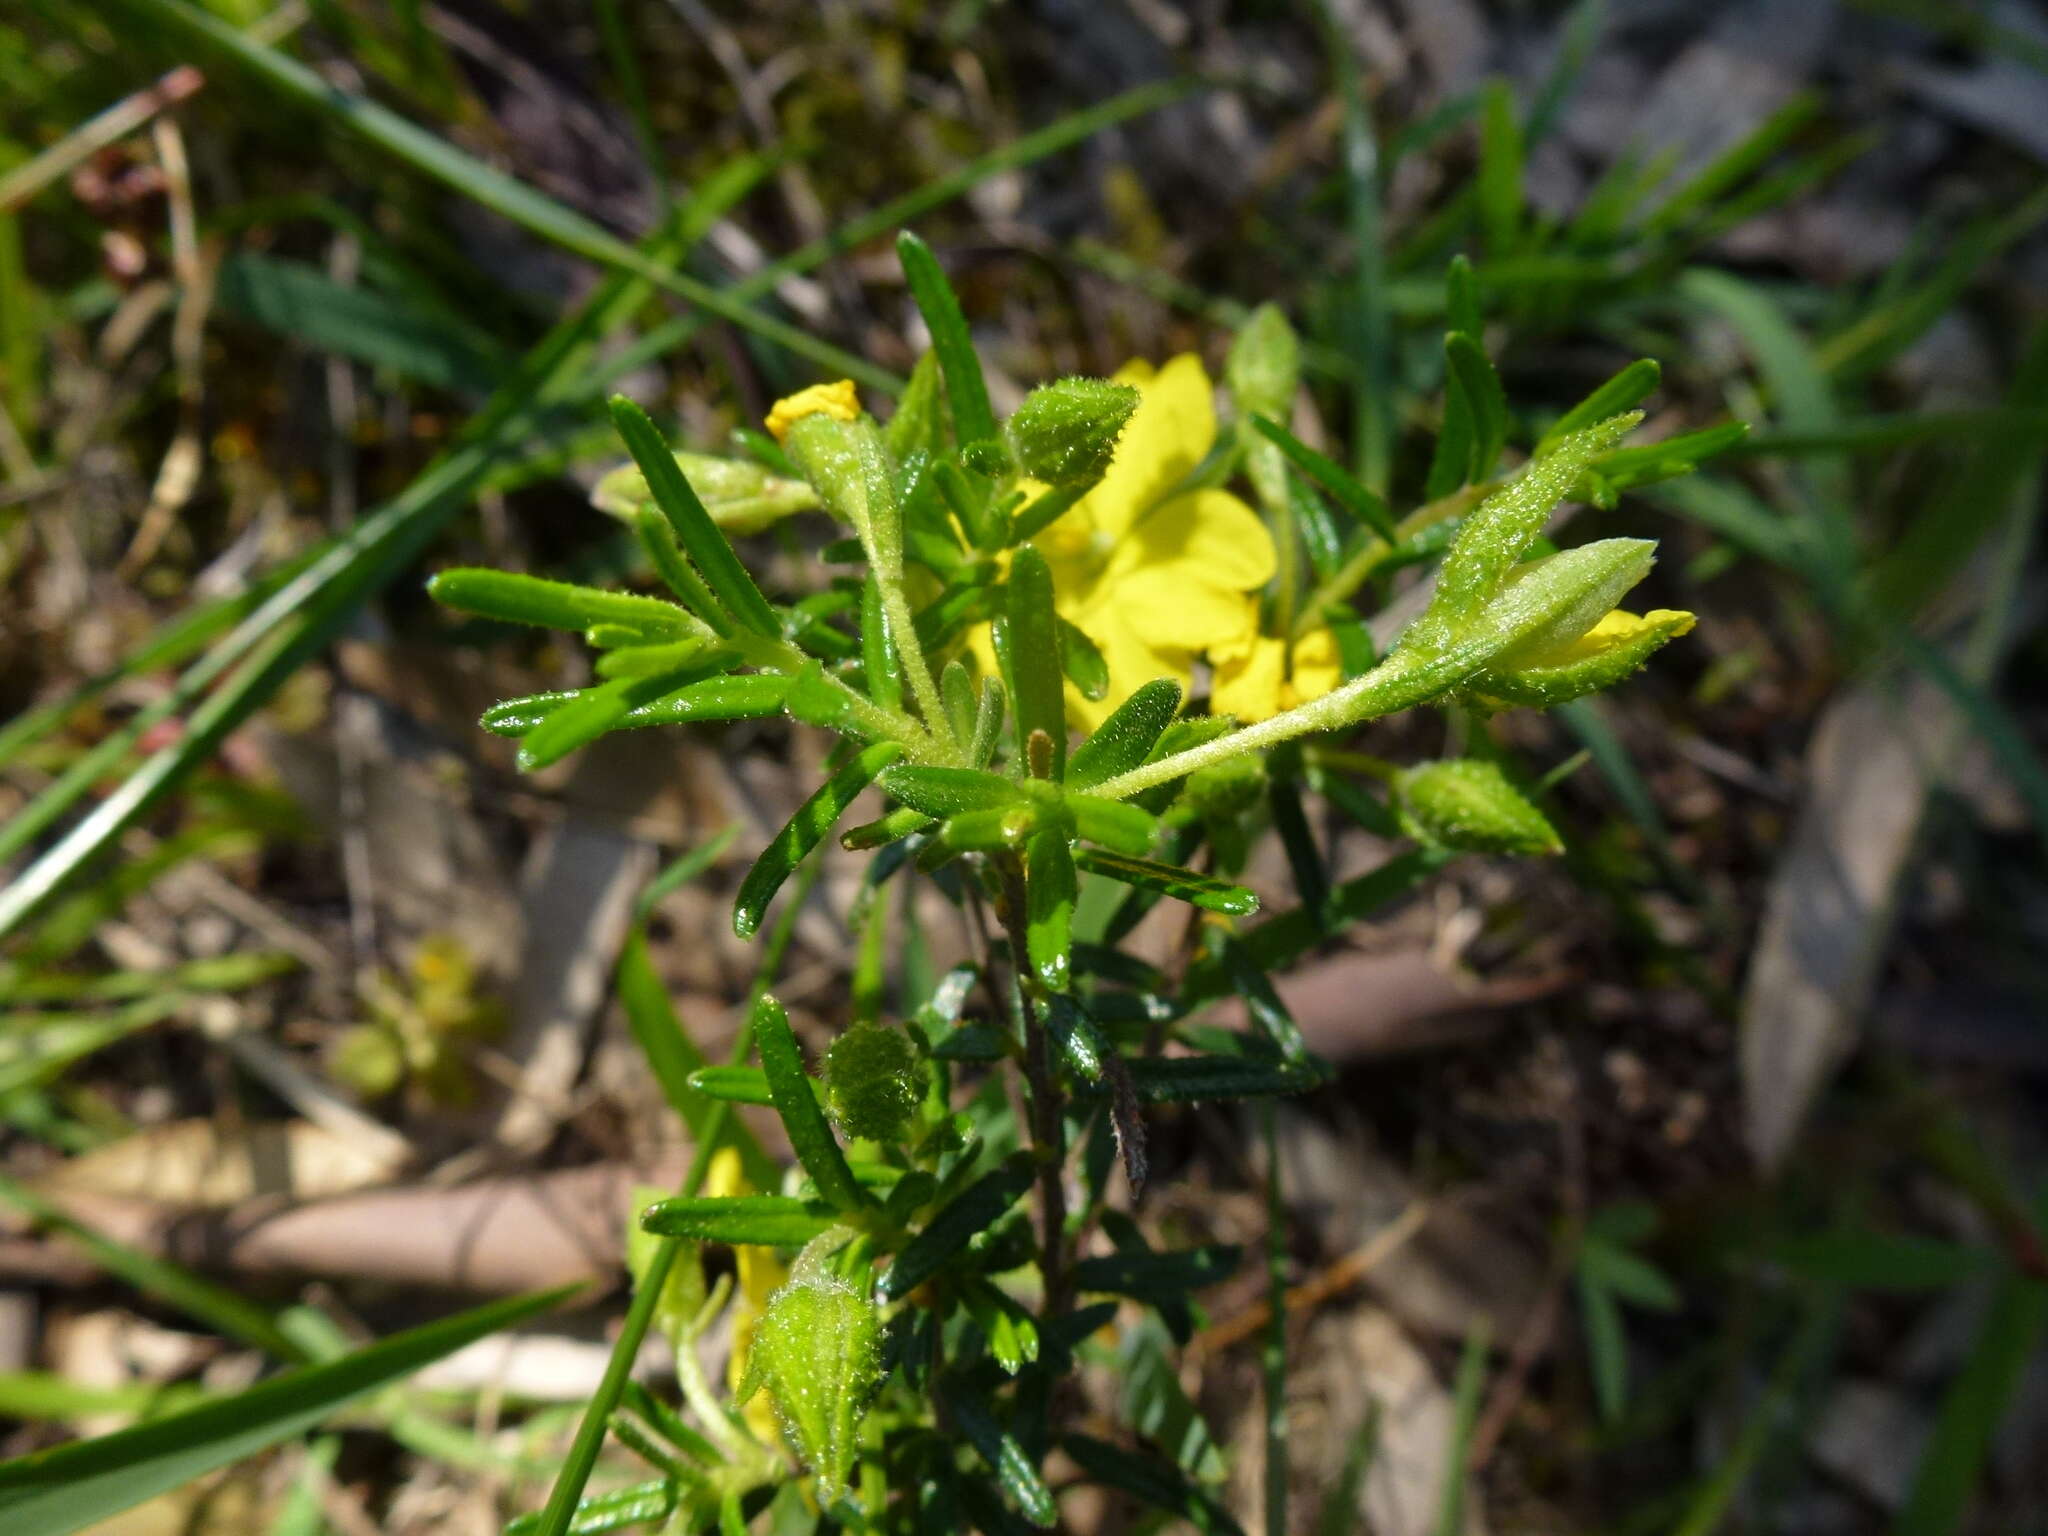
pixel 1146 1274
pixel 949 791
pixel 1122 741
pixel 53 1492
pixel 973 420
pixel 701 539
pixel 1500 170
pixel 797 1103
pixel 1624 392
pixel 1117 825
pixel 771 1221
pixel 658 538
pixel 1466 1396
pixel 1606 1346
pixel 516 599
pixel 1199 890
pixel 1199 1079
pixel 733 1084
pixel 1034 648
pixel 597 711
pixel 1475 374
pixel 880 667
pixel 1461 298
pixel 974 1210
pixel 752 696
pixel 1006 1458
pixel 1304 858
pixel 1884 1261
pixel 988 723
pixel 1457 438
pixel 1153 1480
pixel 1352 495
pixel 1262 1002
pixel 882 831
pixel 1083 662
pixel 602 1513
pixel 1049 889
pixel 956 688
pixel 806 829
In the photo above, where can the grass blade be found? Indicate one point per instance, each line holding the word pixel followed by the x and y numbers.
pixel 57 1491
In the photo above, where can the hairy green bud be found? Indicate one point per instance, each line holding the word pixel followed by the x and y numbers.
pixel 1606 654
pixel 1264 368
pixel 742 497
pixel 1065 433
pixel 1468 804
pixel 873 1082
pixel 1229 787
pixel 818 1350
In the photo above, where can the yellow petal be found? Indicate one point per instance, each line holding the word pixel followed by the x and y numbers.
pixel 1613 630
pixel 1133 661
pixel 1171 431
pixel 1213 535
pixel 1172 608
pixel 1248 679
pixel 838 400
pixel 1317 668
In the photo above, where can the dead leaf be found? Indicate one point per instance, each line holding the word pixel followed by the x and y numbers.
pixel 202 1163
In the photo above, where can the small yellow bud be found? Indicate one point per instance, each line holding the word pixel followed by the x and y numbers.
pixel 839 401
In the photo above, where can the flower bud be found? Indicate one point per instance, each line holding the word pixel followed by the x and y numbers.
pixel 742 497
pixel 1264 368
pixel 838 400
pixel 1229 787
pixel 818 1350
pixel 873 1082
pixel 1468 804
pixel 1608 652
pixel 1065 432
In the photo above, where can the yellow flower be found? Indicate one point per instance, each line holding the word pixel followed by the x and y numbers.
pixel 1619 628
pixel 839 401
pixel 1254 682
pixel 761 1273
pixel 1155 578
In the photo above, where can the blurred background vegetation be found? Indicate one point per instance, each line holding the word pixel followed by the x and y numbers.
pixel 317 1022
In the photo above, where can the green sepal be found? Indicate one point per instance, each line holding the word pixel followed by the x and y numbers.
pixel 1580 671
pixel 916 425
pixel 806 829
pixel 1468 804
pixel 874 1081
pixel 1065 432
pixel 742 497
pixel 818 1349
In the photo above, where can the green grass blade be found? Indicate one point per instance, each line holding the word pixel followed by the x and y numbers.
pixel 534 211
pixel 220 1309
pixel 1465 1400
pixel 58 1491
pixel 1500 171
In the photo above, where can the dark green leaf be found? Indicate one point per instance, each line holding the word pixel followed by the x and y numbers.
pixel 597 711
pixel 1139 1272
pixel 974 1210
pixel 1121 742
pixel 797 1103
pixel 1032 636
pixel 806 829
pixel 1153 1480
pixel 1169 880
pixel 973 421
pixel 50 1493
pixel 949 791
pixel 602 1513
pixel 1461 300
pixel 1115 824
pixel 1197 1079
pixel 1049 889
pixel 775 1221
pixel 701 539
pixel 1005 1457
pixel 1884 1261
pixel 1262 1002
